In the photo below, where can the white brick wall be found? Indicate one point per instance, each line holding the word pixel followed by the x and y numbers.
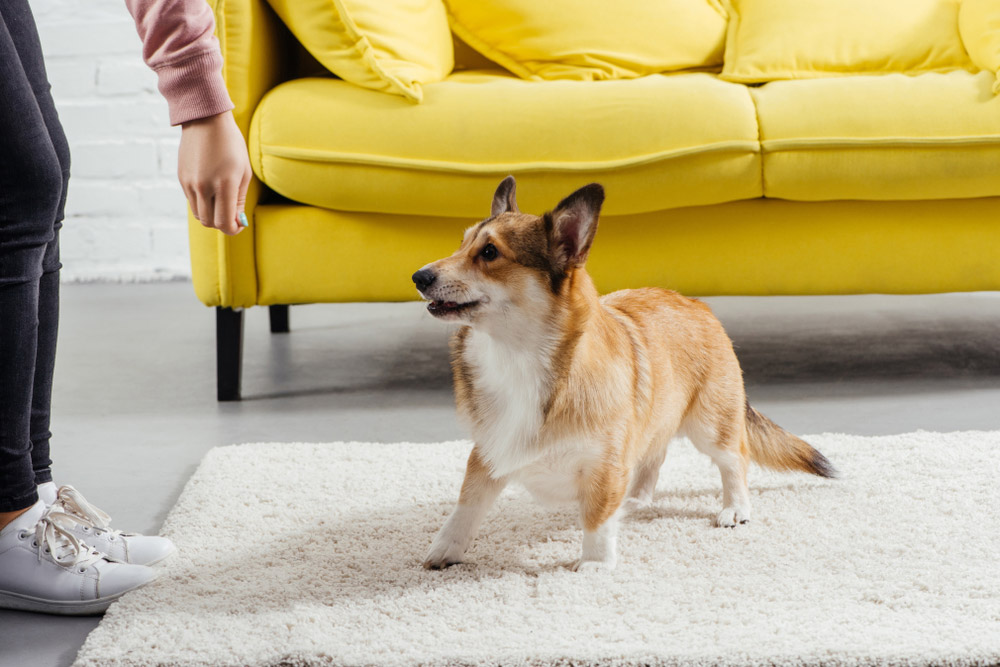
pixel 125 213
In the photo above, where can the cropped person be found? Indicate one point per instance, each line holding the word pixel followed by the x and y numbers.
pixel 58 553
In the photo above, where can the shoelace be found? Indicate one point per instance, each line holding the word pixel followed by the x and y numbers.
pixel 85 514
pixel 53 536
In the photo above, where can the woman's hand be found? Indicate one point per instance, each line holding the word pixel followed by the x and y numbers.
pixel 214 169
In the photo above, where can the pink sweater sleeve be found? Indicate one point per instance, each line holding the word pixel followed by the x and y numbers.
pixel 179 44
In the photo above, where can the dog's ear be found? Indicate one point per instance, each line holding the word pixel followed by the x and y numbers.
pixel 572 226
pixel 503 200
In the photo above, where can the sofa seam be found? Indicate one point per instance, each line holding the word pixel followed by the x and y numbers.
pixel 260 140
pixel 308 155
pixel 760 137
pixel 771 145
pixel 796 75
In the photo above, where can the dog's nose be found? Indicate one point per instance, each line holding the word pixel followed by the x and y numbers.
pixel 423 279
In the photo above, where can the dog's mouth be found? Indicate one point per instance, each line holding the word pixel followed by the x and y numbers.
pixel 446 308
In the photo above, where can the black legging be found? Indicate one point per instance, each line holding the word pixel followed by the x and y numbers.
pixel 34 172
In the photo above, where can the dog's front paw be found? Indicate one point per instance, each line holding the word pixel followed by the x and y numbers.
pixel 439 564
pixel 442 554
pixel 593 566
pixel 730 516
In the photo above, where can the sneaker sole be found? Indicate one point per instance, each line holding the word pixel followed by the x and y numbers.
pixel 20 602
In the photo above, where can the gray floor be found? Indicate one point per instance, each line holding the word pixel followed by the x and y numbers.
pixel 135 410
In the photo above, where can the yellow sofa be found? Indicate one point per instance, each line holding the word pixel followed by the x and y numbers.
pixel 886 183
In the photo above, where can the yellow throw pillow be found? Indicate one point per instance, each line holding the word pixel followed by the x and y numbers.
pixel 592 39
pixel 979 25
pixel 805 39
pixel 390 45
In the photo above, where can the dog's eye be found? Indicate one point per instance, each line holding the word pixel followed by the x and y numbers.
pixel 489 253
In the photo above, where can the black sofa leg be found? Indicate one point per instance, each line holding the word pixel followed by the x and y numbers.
pixel 228 352
pixel 279 318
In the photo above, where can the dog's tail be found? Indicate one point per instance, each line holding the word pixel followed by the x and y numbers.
pixel 774 447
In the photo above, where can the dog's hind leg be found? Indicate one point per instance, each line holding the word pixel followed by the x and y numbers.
pixel 479 492
pixel 725 442
pixel 640 491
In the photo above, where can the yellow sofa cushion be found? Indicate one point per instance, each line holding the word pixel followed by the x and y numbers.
pixel 933 136
pixel 979 25
pixel 759 246
pixel 592 39
pixel 393 46
pixel 770 40
pixel 656 142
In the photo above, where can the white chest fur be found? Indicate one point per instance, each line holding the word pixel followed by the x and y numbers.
pixel 511 387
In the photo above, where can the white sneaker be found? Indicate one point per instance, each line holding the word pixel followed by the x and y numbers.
pixel 44 567
pixel 93 526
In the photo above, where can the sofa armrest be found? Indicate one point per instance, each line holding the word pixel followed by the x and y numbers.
pixel 256 52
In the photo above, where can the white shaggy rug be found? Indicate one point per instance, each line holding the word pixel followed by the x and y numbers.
pixel 309 554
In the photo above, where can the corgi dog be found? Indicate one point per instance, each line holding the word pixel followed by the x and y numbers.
pixel 576 395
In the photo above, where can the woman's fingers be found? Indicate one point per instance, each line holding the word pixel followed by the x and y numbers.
pixel 241 199
pixel 225 208
pixel 204 208
pixel 192 200
pixel 214 169
pixel 219 206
